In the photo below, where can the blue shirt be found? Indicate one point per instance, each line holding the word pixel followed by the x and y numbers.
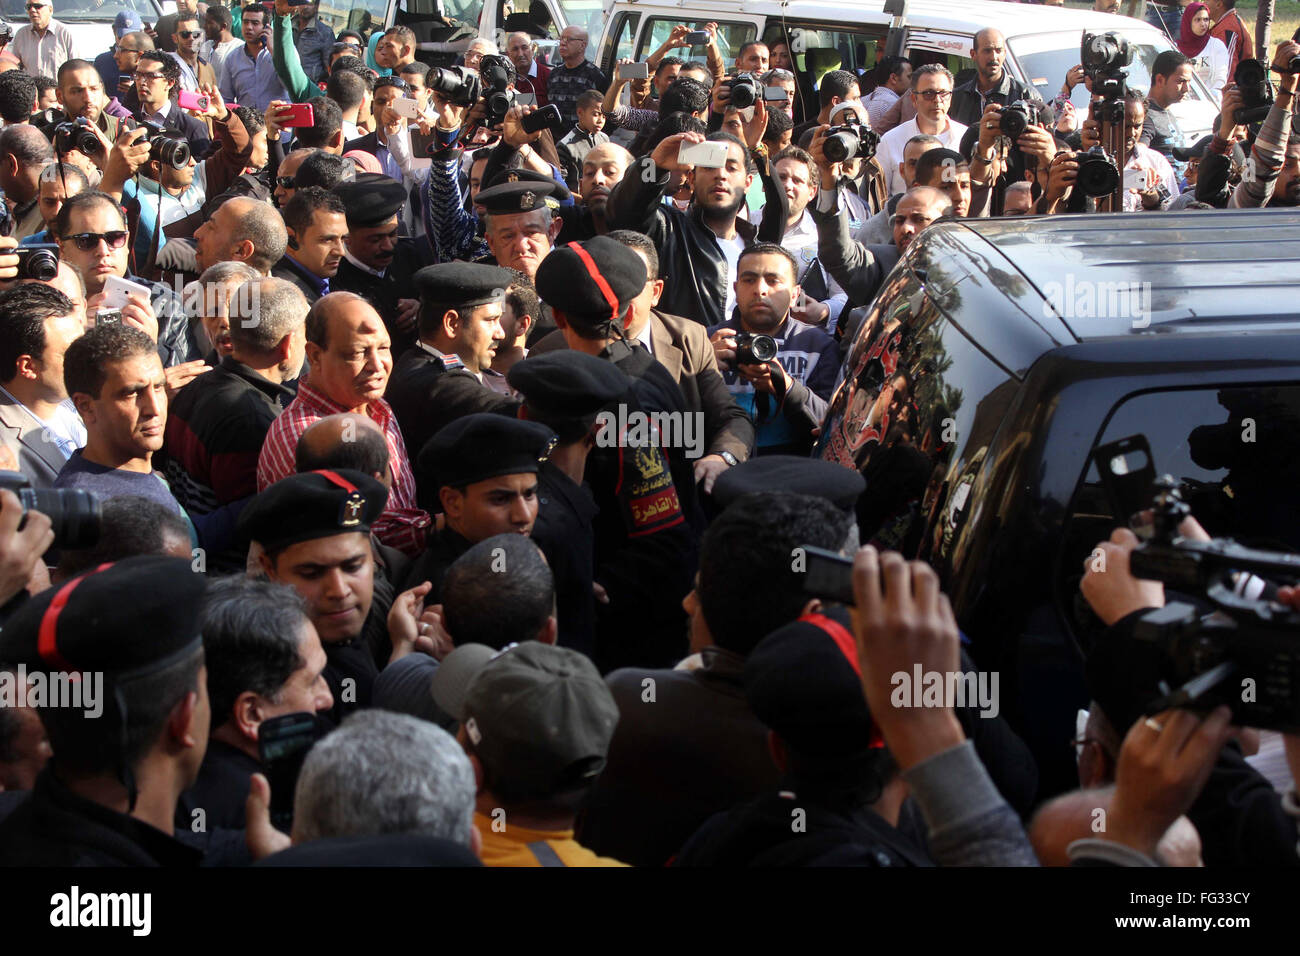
pixel 251 81
pixel 106 66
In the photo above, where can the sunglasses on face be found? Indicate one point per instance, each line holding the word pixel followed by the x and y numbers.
pixel 284 182
pixel 190 34
pixel 87 241
pixel 36 6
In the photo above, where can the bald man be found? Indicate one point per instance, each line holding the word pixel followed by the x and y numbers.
pixel 242 230
pixel 68 281
pixel 346 440
pixel 284 188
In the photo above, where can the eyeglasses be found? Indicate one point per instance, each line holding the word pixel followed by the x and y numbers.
pixel 284 182
pixel 190 34
pixel 148 76
pixel 932 95
pixel 89 240
pixel 37 6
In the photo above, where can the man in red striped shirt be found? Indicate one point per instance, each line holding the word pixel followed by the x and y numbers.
pixel 350 356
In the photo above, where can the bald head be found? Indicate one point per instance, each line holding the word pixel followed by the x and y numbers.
pixel 602 169
pixel 920 206
pixel 347 440
pixel 288 169
pixel 68 281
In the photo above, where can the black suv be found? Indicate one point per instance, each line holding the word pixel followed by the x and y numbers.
pixel 1000 353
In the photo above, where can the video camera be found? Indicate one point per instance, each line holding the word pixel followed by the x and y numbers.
pixel 1256 92
pixel 459 84
pixel 1244 653
pixel 1104 57
pixel 850 141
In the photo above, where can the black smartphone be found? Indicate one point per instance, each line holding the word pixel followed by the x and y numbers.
pixel 548 117
pixel 698 37
pixel 827 575
pixel 1128 474
pixel 283 744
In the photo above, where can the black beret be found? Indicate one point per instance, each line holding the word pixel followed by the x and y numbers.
pixel 371 199
pixel 568 384
pixel 521 190
pixel 837 484
pixel 802 681
pixel 591 282
pixel 462 283
pixel 132 617
pixel 484 445
pixel 313 504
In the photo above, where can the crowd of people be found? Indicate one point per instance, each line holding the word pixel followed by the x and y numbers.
pixel 356 367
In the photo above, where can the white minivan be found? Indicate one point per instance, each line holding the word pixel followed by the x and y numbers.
pixel 1042 42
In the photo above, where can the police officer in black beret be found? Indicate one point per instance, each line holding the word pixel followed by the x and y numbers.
pixel 565 391
pixel 839 485
pixel 483 469
pixel 130 632
pixel 313 529
pixel 647 531
pixel 440 378
pixel 378 263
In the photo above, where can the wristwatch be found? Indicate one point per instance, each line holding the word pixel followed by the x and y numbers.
pixel 729 458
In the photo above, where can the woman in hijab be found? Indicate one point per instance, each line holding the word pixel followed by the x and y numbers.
pixel 1208 54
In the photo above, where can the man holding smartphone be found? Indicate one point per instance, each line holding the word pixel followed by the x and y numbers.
pixel 249 76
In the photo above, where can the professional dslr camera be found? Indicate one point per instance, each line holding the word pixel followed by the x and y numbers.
pixel 754 348
pixel 1245 652
pixel 76 135
pixel 74 514
pixel 1292 65
pixel 1256 92
pixel 1017 117
pixel 459 84
pixel 1104 57
pixel 850 141
pixel 1098 173
pixel 746 90
pixel 496 73
pixel 166 147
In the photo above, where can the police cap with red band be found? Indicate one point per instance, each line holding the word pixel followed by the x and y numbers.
pixel 313 504
pixel 591 282
pixel 131 616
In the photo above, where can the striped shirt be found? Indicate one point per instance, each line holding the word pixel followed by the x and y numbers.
pixel 403 525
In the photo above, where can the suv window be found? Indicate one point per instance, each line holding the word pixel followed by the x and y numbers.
pixel 950 49
pixel 912 412
pixel 1235 452
pixel 857 50
pixel 731 37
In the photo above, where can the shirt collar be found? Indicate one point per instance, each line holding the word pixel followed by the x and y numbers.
pixel 361 265
pixel 322 285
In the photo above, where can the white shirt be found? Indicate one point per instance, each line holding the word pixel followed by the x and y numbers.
pixel 216 53
pixel 189 76
pixel 731 248
pixel 1144 157
pixel 43 55
pixel 644 337
pixel 890 151
pixel 66 427
pixel 347 254
pixel 1212 67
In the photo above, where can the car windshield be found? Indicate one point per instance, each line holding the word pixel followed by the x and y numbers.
pixel 70 11
pixel 1046 58
pixel 588 14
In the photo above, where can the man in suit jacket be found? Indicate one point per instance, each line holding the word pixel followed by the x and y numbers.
pixel 37 324
pixel 157 80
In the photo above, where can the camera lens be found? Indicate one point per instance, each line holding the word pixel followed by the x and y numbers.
pixel 1013 121
pixel 74 514
pixel 170 152
pixel 744 92
pixel 1098 175
pixel 42 265
pixel 840 146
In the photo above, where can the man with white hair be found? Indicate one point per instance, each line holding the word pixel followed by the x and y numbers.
pixel 531 72
pixel 478 48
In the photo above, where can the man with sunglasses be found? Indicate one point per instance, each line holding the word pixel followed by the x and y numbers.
pixel 932 96
pixel 93 238
pixel 195 71
pixel 123 99
pixel 157 77
pixel 45 42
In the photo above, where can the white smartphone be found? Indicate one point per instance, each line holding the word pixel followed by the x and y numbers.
pixel 405 107
pixel 634 71
pixel 709 155
pixel 116 289
pixel 1135 179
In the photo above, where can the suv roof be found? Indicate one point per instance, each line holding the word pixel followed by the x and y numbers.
pixel 1192 272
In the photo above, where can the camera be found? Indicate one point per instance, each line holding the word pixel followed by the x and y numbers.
pixel 1098 173
pixel 165 147
pixel 459 84
pixel 1256 92
pixel 496 73
pixel 39 261
pixel 1210 658
pixel 76 135
pixel 850 141
pixel 1017 117
pixel 1292 65
pixel 74 513
pixel 746 90
pixel 754 348
pixel 1104 53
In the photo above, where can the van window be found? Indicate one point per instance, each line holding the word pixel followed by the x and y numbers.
pixel 526 16
pixel 587 14
pixel 856 51
pixel 618 41
pixel 947 49
pixel 364 16
pixel 731 37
